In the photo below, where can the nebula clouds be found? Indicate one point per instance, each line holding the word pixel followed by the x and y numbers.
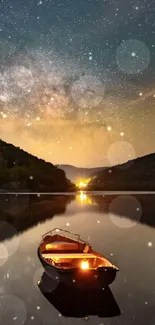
pixel 76 79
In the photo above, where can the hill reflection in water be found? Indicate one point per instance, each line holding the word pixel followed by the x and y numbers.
pixel 22 212
pixel 19 213
pixel 138 208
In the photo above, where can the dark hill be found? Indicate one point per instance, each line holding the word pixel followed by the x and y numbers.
pixel 138 174
pixel 20 170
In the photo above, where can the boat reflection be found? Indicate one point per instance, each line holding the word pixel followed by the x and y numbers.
pixel 79 302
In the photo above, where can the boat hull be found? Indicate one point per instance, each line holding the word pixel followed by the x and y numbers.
pixel 89 278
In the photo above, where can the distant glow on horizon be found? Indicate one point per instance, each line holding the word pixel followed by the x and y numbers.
pixel 82 184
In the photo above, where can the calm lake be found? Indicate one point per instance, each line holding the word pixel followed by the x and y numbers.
pixel 121 227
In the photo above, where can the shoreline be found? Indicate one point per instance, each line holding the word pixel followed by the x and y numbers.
pixel 78 192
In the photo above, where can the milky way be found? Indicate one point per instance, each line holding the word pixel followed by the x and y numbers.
pixel 76 79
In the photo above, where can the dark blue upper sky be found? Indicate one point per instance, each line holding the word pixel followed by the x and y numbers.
pixel 76 27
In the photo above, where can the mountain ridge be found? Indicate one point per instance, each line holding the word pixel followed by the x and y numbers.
pixel 74 173
pixel 20 170
pixel 136 174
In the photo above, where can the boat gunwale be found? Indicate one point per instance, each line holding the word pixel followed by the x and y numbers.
pixel 65 231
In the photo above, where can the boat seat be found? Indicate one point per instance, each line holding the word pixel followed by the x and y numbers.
pixel 78 255
pixel 59 246
pixel 52 251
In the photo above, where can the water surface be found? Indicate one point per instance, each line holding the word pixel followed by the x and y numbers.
pixel 119 227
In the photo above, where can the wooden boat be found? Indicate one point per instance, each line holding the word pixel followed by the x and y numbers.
pixel 69 259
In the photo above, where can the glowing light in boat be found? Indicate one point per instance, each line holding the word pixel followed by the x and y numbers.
pixel 85 265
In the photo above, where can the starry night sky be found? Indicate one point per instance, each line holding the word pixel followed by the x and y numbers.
pixel 77 79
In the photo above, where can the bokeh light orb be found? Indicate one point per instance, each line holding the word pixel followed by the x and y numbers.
pixel 125 211
pixel 10 238
pixel 37 276
pixel 3 254
pixel 19 76
pixel 132 56
pixel 12 310
pixel 48 281
pixel 121 151
pixel 13 204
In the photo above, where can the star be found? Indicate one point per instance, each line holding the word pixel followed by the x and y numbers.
pixel 74 83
